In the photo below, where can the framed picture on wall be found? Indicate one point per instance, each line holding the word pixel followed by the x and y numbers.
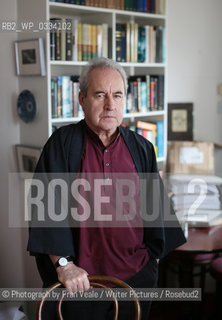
pixel 27 158
pixel 180 121
pixel 30 57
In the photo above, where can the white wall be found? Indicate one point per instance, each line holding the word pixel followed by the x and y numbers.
pixel 10 239
pixel 195 62
pixel 13 241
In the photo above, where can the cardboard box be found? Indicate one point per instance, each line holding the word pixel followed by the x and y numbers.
pixel 194 157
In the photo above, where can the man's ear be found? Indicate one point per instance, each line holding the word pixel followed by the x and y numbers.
pixel 82 100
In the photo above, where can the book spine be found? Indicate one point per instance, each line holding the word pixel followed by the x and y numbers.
pixel 152 93
pixel 163 7
pixel 148 92
pixel 149 6
pixel 158 53
pixel 59 96
pixel 127 5
pixel 88 41
pixel 105 40
pixel 84 42
pixel 69 44
pixel 141 44
pixel 93 41
pixel 163 46
pixel 71 98
pixel 128 43
pixel 151 40
pixel 135 96
pixel 147 43
pixel 143 96
pixel 140 5
pixel 118 42
pixel 157 6
pixel 99 40
pixel 75 40
pixel 63 40
pixel 132 43
pixel 136 42
pixel 66 108
pixel 145 9
pixel 53 97
pixel 121 4
pixel 160 97
pixel 146 125
pixel 52 45
pixel 152 6
pixel 160 139
pixel 79 41
pixel 139 109
pixel 123 43
pixel 58 44
pixel 75 98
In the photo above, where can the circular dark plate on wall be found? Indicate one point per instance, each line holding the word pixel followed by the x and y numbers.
pixel 26 106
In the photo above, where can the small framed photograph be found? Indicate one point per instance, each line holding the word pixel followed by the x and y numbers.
pixel 30 57
pixel 180 121
pixel 27 158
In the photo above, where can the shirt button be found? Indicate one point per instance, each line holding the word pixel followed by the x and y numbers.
pixel 106 150
pixel 107 164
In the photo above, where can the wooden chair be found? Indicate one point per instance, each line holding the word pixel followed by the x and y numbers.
pixel 96 282
pixel 216 273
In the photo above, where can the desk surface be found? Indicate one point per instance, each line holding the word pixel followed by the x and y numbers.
pixel 203 240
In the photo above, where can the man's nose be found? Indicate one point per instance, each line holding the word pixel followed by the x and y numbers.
pixel 109 101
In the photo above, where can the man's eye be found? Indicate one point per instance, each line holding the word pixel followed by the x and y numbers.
pixel 118 96
pixel 100 95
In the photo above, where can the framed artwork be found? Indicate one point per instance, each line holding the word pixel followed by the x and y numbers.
pixel 180 121
pixel 27 158
pixel 30 57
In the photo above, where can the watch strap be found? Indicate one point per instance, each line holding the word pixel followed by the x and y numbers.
pixel 57 264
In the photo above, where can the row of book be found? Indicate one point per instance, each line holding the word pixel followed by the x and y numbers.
pixel 80 42
pixel 146 6
pixel 65 97
pixel 145 93
pixel 152 131
pixel 136 43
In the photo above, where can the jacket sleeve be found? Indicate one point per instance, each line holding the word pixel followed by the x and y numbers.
pixel 164 234
pixel 45 237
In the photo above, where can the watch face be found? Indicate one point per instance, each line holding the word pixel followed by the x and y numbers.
pixel 63 261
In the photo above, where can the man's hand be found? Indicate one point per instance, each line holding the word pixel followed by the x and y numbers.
pixel 73 278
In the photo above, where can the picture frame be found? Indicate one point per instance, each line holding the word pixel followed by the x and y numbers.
pixel 27 158
pixel 180 121
pixel 30 57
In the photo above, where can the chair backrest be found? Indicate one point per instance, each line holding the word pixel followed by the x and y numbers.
pixel 96 282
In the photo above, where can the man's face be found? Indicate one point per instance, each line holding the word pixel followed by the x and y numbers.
pixel 104 103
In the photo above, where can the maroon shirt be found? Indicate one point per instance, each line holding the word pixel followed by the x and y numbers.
pixel 103 249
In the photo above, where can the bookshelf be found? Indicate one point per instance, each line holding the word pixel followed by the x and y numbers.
pixel 37 132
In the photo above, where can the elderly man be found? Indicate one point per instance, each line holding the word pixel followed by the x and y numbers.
pixel 98 144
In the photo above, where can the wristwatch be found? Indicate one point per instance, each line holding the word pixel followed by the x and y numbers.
pixel 62 262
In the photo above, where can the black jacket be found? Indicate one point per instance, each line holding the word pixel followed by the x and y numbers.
pixel 62 154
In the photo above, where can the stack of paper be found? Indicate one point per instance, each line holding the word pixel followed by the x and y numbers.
pixel 196 198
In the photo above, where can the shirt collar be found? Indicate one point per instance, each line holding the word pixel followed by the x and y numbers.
pixel 95 138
